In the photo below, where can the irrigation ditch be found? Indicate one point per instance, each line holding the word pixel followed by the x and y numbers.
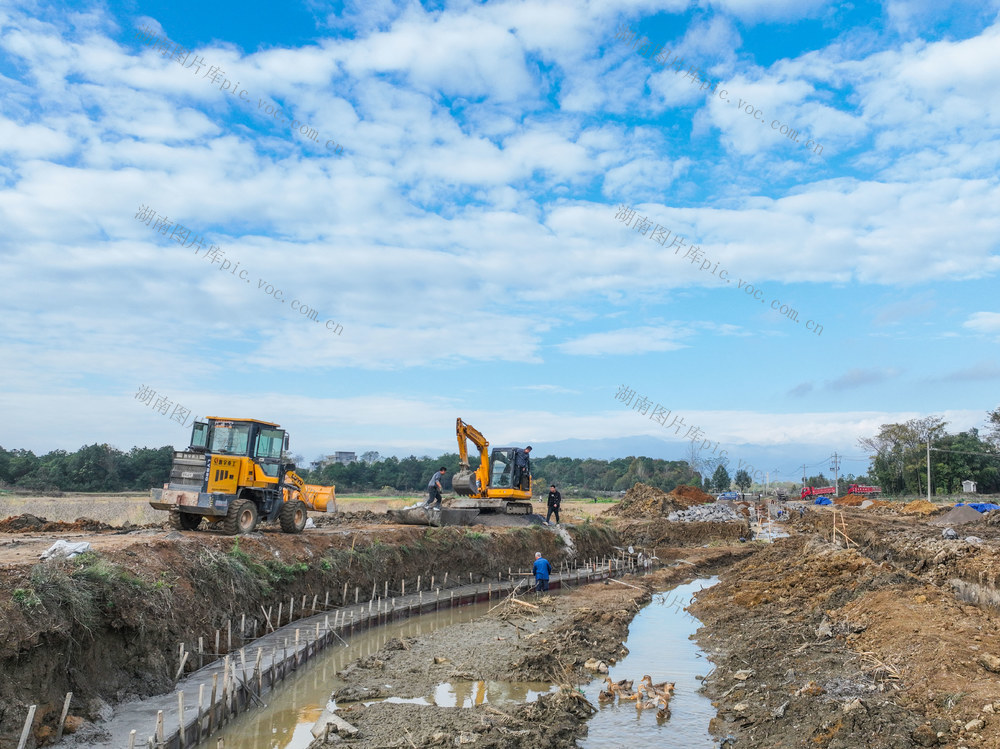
pixel 115 626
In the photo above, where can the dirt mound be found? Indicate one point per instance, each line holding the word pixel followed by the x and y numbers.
pixel 29 523
pixel 959 516
pixel 849 500
pixel 688 496
pixel 919 507
pixel 873 503
pixel 362 517
pixel 643 501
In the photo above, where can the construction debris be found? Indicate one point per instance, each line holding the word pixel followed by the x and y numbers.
pixel 717 512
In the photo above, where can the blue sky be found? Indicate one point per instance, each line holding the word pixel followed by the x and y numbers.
pixel 465 237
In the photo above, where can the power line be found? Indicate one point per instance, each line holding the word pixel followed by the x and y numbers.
pixel 964 452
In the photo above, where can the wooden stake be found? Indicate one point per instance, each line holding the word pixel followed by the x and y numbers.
pixel 201 652
pixel 315 599
pixel 297 648
pixel 278 620
pixel 404 587
pixel 356 592
pixel 217 642
pixel 267 615
pixel 180 719
pixel 159 726
pixel 62 718
pixel 243 627
pixel 445 584
pixel 386 593
pixel 229 635
pixel 418 582
pixel 291 608
pixel 201 712
pixel 27 727
pixel 180 669
pixel 211 705
pixel 131 739
pixel 343 598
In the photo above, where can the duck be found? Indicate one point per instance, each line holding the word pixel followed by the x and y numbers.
pixel 625 684
pixel 642 704
pixel 664 688
pixel 605 696
pixel 663 711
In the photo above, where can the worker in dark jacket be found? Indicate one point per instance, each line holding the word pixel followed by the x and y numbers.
pixel 434 488
pixel 541 569
pixel 522 467
pixel 555 499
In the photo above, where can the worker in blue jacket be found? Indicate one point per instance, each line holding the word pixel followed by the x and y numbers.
pixel 541 569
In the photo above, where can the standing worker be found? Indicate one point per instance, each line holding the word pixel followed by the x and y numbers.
pixel 522 467
pixel 555 499
pixel 434 488
pixel 541 569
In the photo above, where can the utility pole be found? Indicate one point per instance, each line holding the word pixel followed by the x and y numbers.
pixel 928 468
pixel 835 467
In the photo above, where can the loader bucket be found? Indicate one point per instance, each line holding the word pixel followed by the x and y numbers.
pixel 317 497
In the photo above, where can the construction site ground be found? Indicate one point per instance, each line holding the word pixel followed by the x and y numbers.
pixel 881 634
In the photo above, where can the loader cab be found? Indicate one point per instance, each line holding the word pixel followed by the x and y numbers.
pixel 261 441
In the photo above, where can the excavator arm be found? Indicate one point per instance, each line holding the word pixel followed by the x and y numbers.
pixel 466 482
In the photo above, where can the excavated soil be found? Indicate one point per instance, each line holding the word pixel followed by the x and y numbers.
pixel 28 523
pixel 817 645
pixel 647 502
pixel 920 507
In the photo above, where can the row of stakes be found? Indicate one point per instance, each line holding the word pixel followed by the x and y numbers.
pixel 382 608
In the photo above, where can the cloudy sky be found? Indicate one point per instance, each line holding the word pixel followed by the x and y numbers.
pixel 776 220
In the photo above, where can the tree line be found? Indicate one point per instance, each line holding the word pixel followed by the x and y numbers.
pixel 374 473
pixel 898 454
pixel 92 468
pixel 103 468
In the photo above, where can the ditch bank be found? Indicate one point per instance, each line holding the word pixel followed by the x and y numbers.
pixel 817 645
pixel 107 626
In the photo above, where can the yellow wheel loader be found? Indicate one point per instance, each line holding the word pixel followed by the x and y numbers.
pixel 233 473
pixel 490 489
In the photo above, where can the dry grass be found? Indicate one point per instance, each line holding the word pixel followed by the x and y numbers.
pixel 110 509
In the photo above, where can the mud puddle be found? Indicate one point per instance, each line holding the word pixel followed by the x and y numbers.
pixel 659 645
pixel 293 709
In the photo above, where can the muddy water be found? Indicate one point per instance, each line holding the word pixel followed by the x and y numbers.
pixel 295 706
pixel 659 645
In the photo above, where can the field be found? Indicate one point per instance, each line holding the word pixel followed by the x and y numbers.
pixel 119 509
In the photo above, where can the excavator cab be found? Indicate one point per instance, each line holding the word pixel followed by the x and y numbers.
pixel 502 464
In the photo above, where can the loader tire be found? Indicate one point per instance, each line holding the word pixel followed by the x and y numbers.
pixel 293 516
pixel 184 521
pixel 241 517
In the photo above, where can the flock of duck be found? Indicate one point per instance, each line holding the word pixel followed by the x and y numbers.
pixel 647 696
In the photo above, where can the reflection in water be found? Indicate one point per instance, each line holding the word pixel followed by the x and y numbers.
pixel 295 706
pixel 659 644
pixel 473 693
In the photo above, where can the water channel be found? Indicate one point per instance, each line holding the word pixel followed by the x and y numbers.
pixel 658 643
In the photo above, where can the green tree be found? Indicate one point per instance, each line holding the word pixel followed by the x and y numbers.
pixel 742 480
pixel 720 479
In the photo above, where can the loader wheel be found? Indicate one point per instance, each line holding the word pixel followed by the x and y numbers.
pixel 241 518
pixel 293 516
pixel 184 521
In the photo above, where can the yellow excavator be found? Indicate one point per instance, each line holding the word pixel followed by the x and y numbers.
pixel 233 473
pixel 490 489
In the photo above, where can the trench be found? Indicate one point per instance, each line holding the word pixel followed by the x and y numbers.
pixel 660 644
pixel 293 709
